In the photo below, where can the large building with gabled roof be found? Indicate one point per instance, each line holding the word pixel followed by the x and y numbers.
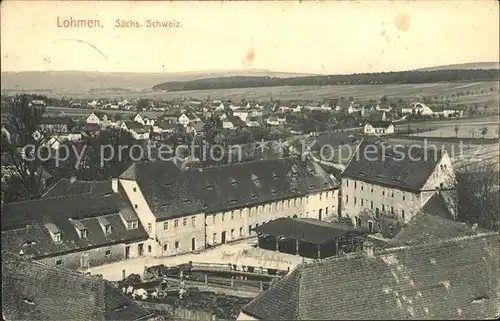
pixel 189 210
pixel 384 186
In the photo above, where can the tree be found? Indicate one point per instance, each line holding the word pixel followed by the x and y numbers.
pixel 95 164
pixel 142 104
pixel 457 128
pixel 478 195
pixel 472 131
pixel 24 179
pixel 484 131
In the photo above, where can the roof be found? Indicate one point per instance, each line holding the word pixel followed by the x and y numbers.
pixel 100 114
pixel 379 124
pixel 26 222
pixel 449 279
pixel 133 125
pixel 33 291
pixel 67 187
pixel 405 168
pixel 91 127
pixel 436 205
pixel 236 121
pixel 306 230
pixel 171 192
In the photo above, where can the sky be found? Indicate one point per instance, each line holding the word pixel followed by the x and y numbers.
pixel 326 37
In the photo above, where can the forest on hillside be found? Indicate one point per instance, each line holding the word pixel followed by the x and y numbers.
pixel 403 77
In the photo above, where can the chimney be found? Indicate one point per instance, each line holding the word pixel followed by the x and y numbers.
pixel 114 185
pixel 72 179
pixel 368 248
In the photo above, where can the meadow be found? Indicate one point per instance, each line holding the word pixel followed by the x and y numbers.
pixel 359 92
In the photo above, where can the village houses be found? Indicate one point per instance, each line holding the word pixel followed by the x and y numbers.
pixel 378 128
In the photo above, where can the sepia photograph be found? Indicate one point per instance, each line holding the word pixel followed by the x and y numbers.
pixel 250 160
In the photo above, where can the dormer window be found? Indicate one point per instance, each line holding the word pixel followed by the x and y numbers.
pixel 131 225
pixel 84 233
pixel 54 232
pixel 105 225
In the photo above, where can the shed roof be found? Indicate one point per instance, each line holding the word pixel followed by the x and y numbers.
pixel 306 230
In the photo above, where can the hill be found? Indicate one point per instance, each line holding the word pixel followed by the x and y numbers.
pixel 402 77
pixel 82 81
pixel 472 65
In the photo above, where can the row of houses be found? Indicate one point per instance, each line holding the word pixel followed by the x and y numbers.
pixel 159 209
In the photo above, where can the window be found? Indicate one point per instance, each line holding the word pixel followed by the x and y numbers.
pixel 383 208
pixel 150 228
pixel 232 215
pixel 165 247
pixel 59 262
pixel 326 210
pixel 165 226
pixel 135 206
pixel 282 204
pixel 232 233
pixel 362 187
pixel 320 195
pixel 241 213
pixel 107 253
pixel 56 237
pixel 347 199
pixel 392 209
pixel 288 204
pixel 403 214
pixel 355 184
pixel 135 189
pixel 371 205
pixel 392 194
pixel 355 200
pixel 377 213
pixel 213 219
pixel 250 210
pixel 132 224
pixel 193 221
pixel 107 229
pixel 361 202
pixel 85 233
pixel 149 248
pixel 404 197
pixel 249 229
pixel 184 221
pixel 214 238
pixel 346 183
pixel 371 190
pixel 176 223
pixel 383 193
pixel 177 245
pixel 241 231
pixel 222 217
pixel 320 213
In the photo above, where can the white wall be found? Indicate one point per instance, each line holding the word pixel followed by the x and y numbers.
pixel 143 211
pixel 168 234
pixel 326 201
pixel 245 317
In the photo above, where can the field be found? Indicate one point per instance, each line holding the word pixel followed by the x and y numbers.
pixel 361 92
pixel 466 127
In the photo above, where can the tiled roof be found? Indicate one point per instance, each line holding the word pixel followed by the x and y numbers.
pixel 306 230
pixel 393 168
pixel 33 291
pixel 437 206
pixel 379 124
pixel 24 224
pixel 66 187
pixel 171 192
pixel 132 125
pixel 100 114
pixel 450 279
